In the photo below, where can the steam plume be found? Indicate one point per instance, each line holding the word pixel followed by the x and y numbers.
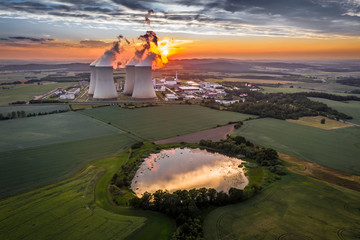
pixel 147 16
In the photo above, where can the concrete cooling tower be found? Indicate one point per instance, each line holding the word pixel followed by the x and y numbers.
pixel 92 79
pixel 130 79
pixel 105 87
pixel 143 88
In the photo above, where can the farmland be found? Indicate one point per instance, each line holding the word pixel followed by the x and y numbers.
pixel 296 207
pixel 161 122
pixel 338 148
pixel 26 92
pixel 351 108
pixel 316 122
pixel 42 130
pixel 70 210
pixel 26 169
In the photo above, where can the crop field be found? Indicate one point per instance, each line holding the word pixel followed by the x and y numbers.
pixel 32 108
pixel 316 122
pixel 78 208
pixel 297 207
pixel 296 90
pixel 351 108
pixel 153 123
pixel 338 148
pixel 26 92
pixel 22 170
pixel 48 129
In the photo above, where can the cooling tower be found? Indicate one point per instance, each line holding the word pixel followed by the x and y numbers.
pixel 129 80
pixel 92 79
pixel 105 87
pixel 143 87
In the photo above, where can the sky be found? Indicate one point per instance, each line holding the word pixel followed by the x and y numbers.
pixel 81 30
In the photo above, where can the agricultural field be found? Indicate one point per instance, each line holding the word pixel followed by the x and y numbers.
pixel 32 108
pixel 78 208
pixel 26 169
pixel 297 207
pixel 296 90
pixel 153 123
pixel 259 81
pixel 351 108
pixel 338 148
pixel 26 92
pixel 316 122
pixel 48 129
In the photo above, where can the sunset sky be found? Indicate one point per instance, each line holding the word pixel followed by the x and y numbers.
pixel 246 29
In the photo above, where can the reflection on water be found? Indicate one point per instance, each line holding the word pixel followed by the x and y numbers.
pixel 187 168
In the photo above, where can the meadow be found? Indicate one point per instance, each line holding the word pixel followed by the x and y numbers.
pixel 316 122
pixel 48 129
pixel 26 92
pixel 351 108
pixel 296 207
pixel 338 148
pixel 153 123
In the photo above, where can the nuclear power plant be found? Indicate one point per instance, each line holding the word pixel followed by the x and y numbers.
pixel 92 78
pixel 129 79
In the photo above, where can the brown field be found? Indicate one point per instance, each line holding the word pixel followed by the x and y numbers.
pixel 315 122
pixel 215 134
pixel 323 173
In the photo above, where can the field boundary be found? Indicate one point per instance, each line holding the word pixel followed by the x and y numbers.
pixel 326 174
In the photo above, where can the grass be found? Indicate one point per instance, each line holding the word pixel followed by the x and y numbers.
pixel 316 122
pixel 296 207
pixel 152 123
pixel 48 129
pixel 22 170
pixel 77 208
pixel 32 108
pixel 27 92
pixel 351 108
pixel 338 148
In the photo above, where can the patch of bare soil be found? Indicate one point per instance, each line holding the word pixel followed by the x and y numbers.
pixel 320 172
pixel 214 134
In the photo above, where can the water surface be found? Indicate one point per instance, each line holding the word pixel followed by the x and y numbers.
pixel 175 169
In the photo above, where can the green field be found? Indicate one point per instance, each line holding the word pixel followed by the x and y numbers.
pixel 161 122
pixel 338 148
pixel 296 207
pixel 76 209
pixel 296 90
pixel 32 108
pixel 27 92
pixel 22 170
pixel 48 129
pixel 351 108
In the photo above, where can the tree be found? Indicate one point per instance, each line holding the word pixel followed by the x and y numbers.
pixel 323 121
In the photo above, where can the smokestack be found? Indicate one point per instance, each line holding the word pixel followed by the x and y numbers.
pixel 130 78
pixel 92 78
pixel 143 88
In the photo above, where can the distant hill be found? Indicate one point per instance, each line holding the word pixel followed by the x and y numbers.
pixel 68 67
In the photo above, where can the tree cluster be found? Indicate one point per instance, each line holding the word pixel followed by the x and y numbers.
pixel 239 145
pixel 355 82
pixel 22 114
pixel 185 206
pixel 283 106
pixel 329 96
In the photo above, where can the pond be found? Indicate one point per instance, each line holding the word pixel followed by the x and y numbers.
pixel 175 169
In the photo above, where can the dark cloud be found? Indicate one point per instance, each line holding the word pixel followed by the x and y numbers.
pixel 315 16
pixel 27 39
pixel 94 43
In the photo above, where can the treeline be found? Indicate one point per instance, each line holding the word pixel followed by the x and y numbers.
pixel 355 82
pixel 44 101
pixel 329 96
pixel 22 114
pixel 281 106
